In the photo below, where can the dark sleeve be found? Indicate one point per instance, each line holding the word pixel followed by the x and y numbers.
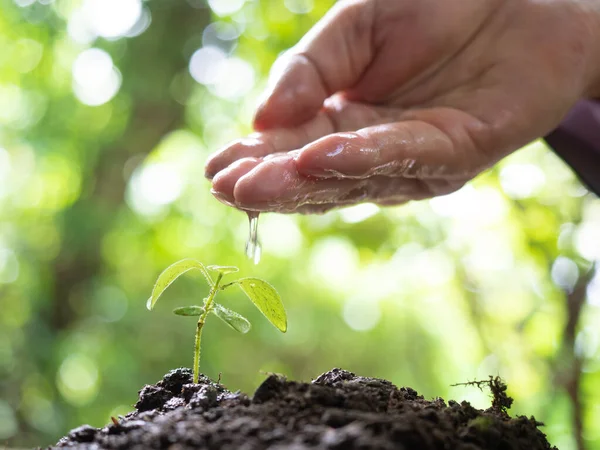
pixel 577 142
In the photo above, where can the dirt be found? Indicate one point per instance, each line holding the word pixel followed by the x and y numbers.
pixel 338 410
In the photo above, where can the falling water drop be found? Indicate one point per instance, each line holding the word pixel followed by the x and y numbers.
pixel 253 249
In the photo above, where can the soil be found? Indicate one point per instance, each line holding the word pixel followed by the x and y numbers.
pixel 338 410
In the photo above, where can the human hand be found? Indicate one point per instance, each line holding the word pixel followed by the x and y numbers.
pixel 393 100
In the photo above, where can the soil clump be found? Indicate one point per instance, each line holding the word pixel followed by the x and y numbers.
pixel 337 410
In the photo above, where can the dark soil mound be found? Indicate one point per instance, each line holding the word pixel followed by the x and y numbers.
pixel 338 410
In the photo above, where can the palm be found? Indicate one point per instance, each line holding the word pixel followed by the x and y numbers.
pixel 431 92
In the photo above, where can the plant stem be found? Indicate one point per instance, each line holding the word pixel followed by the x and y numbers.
pixel 197 351
pixel 200 325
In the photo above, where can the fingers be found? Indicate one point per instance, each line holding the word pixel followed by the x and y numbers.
pixel 224 183
pixel 276 185
pixel 269 142
pixel 441 147
pixel 337 115
pixel 330 58
pixel 432 154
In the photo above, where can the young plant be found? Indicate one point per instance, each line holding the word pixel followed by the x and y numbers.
pixel 262 294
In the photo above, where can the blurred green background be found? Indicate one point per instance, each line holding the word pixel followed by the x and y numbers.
pixel 108 110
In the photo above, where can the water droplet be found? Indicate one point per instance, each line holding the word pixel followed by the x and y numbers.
pixel 253 249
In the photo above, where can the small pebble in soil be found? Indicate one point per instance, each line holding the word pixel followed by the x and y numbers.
pixel 205 397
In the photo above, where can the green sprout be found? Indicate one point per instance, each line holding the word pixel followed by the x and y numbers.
pixel 262 294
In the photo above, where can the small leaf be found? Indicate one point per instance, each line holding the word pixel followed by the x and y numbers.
pixel 173 272
pixel 194 310
pixel 223 269
pixel 231 318
pixel 266 299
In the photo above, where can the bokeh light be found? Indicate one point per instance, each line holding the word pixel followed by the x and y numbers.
pixel 522 180
pixel 227 77
pixel 299 6
pixel 95 79
pixel 205 63
pixel 565 273
pixel 111 18
pixel 154 186
pixel 225 7
pixel 78 380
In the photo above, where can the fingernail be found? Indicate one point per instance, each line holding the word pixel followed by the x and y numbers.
pixel 222 198
pixel 276 107
pixel 259 119
pixel 211 166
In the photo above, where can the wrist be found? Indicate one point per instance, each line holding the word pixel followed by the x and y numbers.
pixel 594 90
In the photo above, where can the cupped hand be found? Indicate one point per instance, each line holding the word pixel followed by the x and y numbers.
pixel 388 101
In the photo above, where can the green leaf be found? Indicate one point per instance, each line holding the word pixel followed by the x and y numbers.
pixel 173 272
pixel 231 318
pixel 223 269
pixel 194 310
pixel 266 299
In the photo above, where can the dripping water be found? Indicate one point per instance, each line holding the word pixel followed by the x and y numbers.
pixel 253 245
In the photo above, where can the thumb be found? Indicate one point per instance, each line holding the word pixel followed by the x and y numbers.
pixel 331 57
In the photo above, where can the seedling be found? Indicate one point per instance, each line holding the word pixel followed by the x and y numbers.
pixel 262 294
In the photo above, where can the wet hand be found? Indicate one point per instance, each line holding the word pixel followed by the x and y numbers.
pixel 389 101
